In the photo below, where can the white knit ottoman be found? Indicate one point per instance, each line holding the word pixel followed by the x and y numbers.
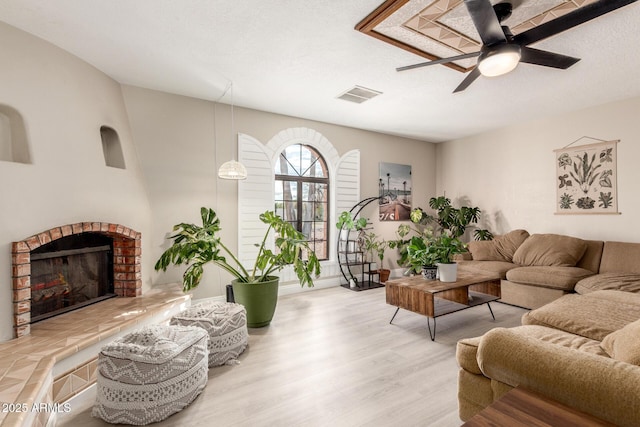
pixel 226 324
pixel 150 374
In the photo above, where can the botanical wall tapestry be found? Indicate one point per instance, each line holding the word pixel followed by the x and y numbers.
pixel 586 179
pixel 394 189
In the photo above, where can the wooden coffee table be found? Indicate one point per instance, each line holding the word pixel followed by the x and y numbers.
pixel 434 298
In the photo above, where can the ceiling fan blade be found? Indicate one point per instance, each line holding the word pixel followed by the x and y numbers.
pixel 570 20
pixel 546 59
pixel 474 74
pixel 486 22
pixel 438 61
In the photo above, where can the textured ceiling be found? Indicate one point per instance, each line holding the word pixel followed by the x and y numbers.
pixel 295 57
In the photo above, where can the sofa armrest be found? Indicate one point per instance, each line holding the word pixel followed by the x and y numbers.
pixel 606 388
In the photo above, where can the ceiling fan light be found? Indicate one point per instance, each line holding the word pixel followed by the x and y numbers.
pixel 232 170
pixel 500 61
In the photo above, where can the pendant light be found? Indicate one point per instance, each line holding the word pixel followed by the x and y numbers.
pixel 232 169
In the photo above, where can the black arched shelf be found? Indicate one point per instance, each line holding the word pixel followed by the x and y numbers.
pixel 355 269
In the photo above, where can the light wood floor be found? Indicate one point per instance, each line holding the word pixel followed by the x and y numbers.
pixel 331 358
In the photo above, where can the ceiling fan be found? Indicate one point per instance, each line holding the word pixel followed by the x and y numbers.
pixel 501 51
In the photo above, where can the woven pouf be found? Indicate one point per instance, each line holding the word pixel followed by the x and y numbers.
pixel 147 375
pixel 226 324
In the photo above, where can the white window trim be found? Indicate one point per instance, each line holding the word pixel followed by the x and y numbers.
pixel 254 197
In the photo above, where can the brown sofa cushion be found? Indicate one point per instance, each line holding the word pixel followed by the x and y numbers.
pixel 594 315
pixel 627 282
pixel 624 344
pixel 501 248
pixel 552 277
pixel 550 249
pixel 620 257
pixel 493 267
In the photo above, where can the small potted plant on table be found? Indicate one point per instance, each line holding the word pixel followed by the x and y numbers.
pixel 421 256
pixel 444 248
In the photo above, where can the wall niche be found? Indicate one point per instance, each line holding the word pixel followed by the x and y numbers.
pixel 13 136
pixel 112 148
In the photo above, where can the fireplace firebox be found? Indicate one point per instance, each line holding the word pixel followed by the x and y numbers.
pixel 70 266
pixel 70 273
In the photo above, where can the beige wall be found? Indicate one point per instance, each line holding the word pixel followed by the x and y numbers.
pixel 63 102
pixel 182 141
pixel 510 173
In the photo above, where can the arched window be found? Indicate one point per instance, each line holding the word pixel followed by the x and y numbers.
pixel 302 194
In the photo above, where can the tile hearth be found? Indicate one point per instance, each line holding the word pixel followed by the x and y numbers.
pixel 28 364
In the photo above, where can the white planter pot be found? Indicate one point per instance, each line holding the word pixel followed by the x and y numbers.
pixel 448 272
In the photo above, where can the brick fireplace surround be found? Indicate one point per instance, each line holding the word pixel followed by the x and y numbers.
pixel 127 276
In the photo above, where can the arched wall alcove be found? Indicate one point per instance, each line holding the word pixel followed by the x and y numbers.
pixel 14 146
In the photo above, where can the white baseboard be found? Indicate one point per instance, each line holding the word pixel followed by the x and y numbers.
pixel 295 288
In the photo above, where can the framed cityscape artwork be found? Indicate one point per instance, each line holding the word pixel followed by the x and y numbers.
pixel 394 189
pixel 586 179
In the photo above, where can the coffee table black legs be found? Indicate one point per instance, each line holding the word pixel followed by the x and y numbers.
pixel 489 305
pixel 432 334
pixel 394 315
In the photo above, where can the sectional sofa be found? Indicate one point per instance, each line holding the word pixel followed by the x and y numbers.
pixel 537 269
pixel 581 348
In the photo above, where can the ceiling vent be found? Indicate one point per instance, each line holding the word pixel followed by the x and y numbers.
pixel 359 94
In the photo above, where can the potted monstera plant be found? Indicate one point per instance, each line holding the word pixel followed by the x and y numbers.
pixel 256 286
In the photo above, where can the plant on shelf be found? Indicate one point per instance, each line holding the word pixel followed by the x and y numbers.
pixel 347 222
pixel 257 287
pixel 375 247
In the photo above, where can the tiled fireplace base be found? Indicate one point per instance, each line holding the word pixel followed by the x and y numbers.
pixel 58 359
pixel 127 250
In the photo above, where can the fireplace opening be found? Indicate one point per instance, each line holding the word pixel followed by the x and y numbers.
pixel 70 273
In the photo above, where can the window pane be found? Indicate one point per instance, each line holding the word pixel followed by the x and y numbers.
pixel 278 190
pixel 290 161
pixel 307 211
pixel 279 208
pixel 320 212
pixel 321 230
pixel 314 191
pixel 320 248
pixel 289 190
pixel 290 212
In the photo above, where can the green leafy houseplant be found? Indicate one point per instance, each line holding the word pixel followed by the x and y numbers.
pixel 420 253
pixel 444 247
pixel 419 250
pixel 347 222
pixel 455 221
pixel 375 247
pixel 196 246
